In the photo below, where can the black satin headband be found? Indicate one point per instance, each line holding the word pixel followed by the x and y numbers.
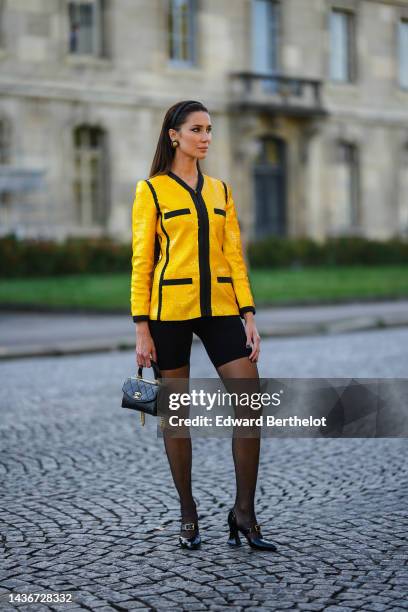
pixel 179 111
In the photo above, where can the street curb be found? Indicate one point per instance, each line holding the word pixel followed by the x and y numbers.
pixel 359 323
pixel 347 301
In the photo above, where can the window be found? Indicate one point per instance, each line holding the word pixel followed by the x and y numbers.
pixel 90 180
pixel 346 213
pixel 266 39
pixel 270 188
pixel 403 189
pixel 182 31
pixel 265 35
pixel 2 29
pixel 85 27
pixel 5 194
pixel 403 52
pixel 4 142
pixel 342 49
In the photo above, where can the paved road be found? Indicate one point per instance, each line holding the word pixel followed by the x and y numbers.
pixel 42 333
pixel 88 506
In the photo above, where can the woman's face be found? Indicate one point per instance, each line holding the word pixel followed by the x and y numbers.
pixel 194 135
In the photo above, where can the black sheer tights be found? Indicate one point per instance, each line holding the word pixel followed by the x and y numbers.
pixel 179 453
pixel 245 450
pixel 245 442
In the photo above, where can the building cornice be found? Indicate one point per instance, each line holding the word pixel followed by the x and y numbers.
pixel 71 93
pixel 368 114
pixel 112 96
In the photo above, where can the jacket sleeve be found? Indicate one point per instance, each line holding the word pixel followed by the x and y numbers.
pixel 144 216
pixel 232 249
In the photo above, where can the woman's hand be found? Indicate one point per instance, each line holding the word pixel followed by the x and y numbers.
pixel 253 338
pixel 145 349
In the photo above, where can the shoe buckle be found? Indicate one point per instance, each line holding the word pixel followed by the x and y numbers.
pixel 188 526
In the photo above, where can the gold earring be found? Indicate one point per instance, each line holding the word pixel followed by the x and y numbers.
pixel 174 144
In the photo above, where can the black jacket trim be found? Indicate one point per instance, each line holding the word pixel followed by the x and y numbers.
pixel 174 213
pixel 220 211
pixel 226 192
pixel 186 185
pixel 245 309
pixel 203 241
pixel 177 281
pixel 204 256
pixel 224 279
pixel 157 239
pixel 154 194
pixel 137 318
pixel 152 189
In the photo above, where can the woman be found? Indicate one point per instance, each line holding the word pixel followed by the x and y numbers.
pixel 189 275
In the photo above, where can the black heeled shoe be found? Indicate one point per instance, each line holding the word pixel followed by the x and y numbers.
pixel 191 543
pixel 253 535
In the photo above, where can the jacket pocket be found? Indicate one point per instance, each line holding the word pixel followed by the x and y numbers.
pixel 177 281
pixel 224 279
pixel 224 295
pixel 174 213
pixel 220 211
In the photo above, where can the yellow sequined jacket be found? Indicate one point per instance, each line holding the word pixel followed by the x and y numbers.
pixel 187 259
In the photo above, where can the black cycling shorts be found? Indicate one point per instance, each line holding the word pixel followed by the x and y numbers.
pixel 224 339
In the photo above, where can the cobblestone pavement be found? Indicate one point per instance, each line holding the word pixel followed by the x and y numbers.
pixel 88 505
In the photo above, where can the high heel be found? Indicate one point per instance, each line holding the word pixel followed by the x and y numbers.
pixel 252 534
pixel 234 539
pixel 194 541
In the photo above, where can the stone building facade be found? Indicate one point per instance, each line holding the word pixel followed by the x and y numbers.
pixel 308 101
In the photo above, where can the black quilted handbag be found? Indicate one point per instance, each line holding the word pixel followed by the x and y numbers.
pixel 142 394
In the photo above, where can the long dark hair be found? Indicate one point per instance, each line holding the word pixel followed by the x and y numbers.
pixel 174 118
